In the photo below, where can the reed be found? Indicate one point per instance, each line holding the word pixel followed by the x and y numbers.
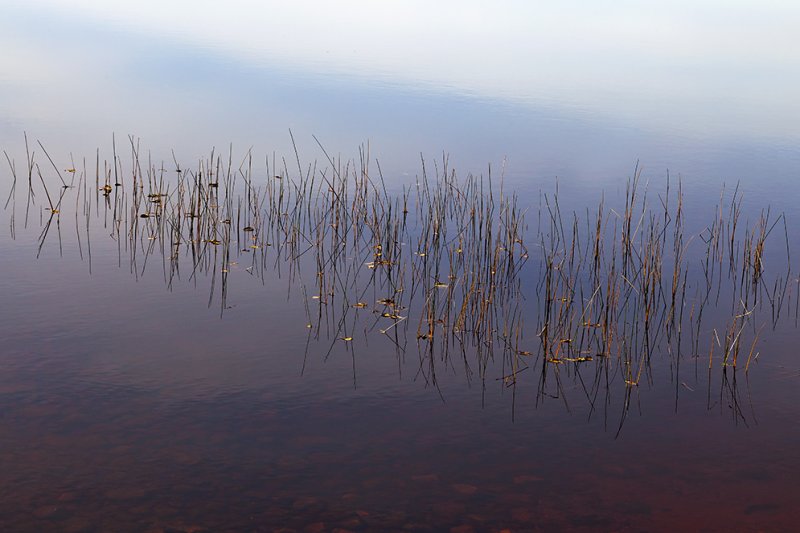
pixel 447 265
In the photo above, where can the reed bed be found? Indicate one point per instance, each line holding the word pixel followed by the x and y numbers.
pixel 445 267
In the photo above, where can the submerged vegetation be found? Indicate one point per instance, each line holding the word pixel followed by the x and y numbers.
pixel 456 270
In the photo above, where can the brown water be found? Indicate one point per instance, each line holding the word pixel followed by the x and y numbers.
pixel 137 399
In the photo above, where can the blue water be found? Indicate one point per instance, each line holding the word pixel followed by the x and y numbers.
pixel 129 404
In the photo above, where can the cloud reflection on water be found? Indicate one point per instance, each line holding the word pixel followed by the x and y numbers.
pixel 709 67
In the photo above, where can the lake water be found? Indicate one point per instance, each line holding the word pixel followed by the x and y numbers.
pixel 395 345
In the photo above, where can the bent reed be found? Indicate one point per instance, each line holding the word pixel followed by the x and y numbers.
pixel 446 264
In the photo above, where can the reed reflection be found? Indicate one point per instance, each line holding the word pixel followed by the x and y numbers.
pixel 588 308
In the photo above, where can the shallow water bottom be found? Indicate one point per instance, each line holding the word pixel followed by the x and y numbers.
pixel 98 458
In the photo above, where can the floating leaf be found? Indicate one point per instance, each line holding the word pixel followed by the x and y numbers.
pixel 248 228
pixel 213 241
pixel 440 285
pixel 360 305
pixel 377 262
pixel 346 339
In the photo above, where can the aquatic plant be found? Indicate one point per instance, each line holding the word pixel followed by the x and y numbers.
pixel 445 266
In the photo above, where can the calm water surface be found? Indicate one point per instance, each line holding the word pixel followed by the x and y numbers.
pixel 132 403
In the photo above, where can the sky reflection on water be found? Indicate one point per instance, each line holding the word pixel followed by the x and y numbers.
pixel 680 63
pixel 705 90
pixel 130 405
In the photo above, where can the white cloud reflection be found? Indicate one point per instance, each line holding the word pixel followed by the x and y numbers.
pixel 711 65
pixel 496 47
